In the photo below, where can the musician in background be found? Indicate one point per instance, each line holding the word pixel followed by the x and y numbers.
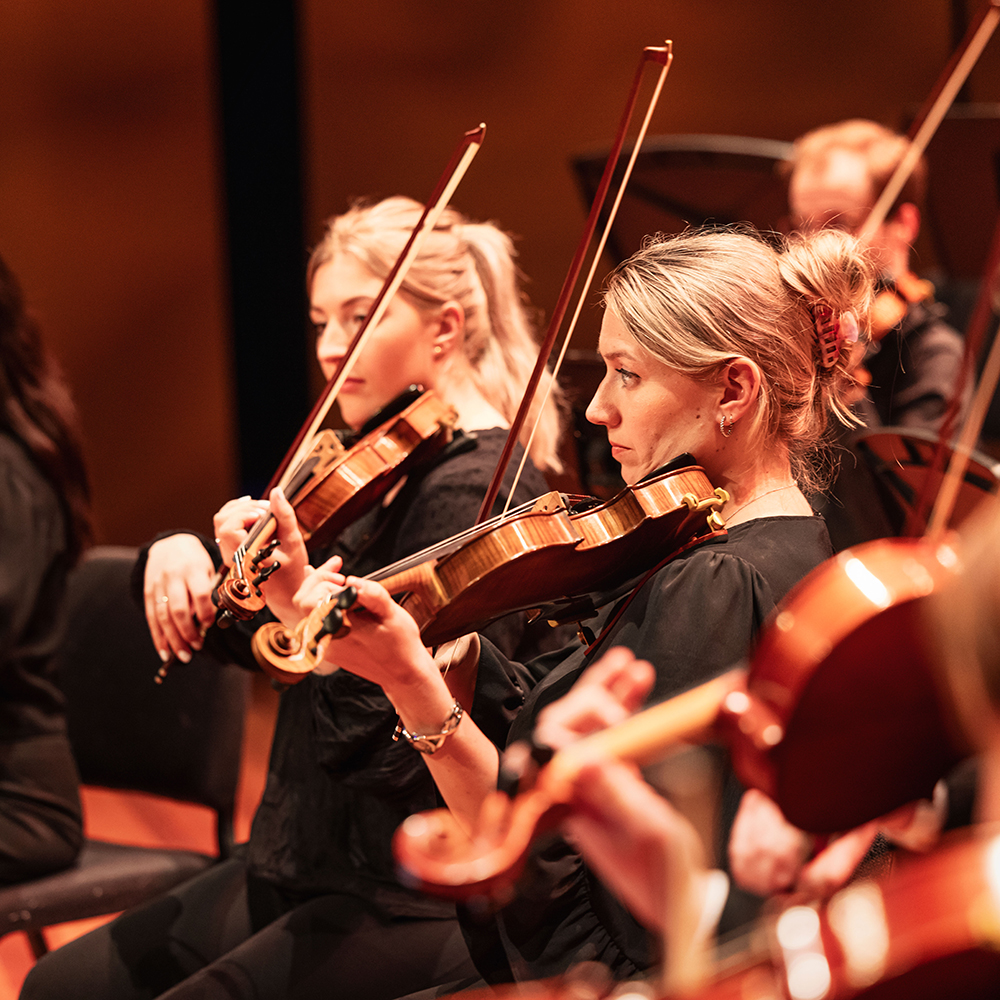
pixel 313 907
pixel 835 175
pixel 716 346
pixel 44 527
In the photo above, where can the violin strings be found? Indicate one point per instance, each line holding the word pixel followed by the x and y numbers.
pixel 449 544
pixel 588 281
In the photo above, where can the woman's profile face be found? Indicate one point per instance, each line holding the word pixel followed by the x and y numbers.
pixel 651 412
pixel 399 352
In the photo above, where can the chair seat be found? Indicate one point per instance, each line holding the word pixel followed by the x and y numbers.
pixel 106 878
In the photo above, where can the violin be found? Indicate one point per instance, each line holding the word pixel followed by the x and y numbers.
pixel 532 558
pixel 893 299
pixel 930 930
pixel 838 719
pixel 334 485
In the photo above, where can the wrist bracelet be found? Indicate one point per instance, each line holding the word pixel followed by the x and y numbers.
pixel 431 743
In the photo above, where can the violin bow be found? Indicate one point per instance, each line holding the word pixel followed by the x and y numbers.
pixel 962 451
pixel 933 111
pixel 436 204
pixel 663 55
pixel 924 126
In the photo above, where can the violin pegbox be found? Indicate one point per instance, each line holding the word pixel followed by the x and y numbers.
pixel 287 654
pixel 335 622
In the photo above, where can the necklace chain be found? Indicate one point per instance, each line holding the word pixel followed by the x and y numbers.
pixel 760 496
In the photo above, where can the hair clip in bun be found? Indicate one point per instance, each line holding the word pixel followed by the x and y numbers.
pixel 833 333
pixel 849 331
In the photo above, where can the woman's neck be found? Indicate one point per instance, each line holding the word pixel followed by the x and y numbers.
pixel 475 411
pixel 770 492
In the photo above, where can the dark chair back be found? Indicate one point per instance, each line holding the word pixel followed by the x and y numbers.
pixel 182 738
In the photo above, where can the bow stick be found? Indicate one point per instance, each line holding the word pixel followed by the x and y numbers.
pixel 663 56
pixel 935 108
pixel 980 402
pixel 452 175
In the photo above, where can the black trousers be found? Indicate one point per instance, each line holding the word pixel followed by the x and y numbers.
pixel 199 941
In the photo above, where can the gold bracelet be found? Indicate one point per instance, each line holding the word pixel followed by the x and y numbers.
pixel 432 743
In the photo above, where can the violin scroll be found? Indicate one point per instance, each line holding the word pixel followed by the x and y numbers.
pixel 287 655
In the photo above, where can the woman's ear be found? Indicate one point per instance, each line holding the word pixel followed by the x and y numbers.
pixel 450 331
pixel 741 379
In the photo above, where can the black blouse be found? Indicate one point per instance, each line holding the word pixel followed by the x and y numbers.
pixel 33 569
pixel 338 787
pixel 693 620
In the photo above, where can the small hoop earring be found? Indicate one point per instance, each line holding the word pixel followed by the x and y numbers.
pixel 726 425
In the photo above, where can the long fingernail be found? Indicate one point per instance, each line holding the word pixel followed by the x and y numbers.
pixel 184 656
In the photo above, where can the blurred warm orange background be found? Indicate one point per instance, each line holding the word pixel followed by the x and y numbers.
pixel 111 190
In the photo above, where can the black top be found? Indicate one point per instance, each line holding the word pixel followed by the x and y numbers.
pixel 692 620
pixel 338 787
pixel 33 568
pixel 914 369
pixel 41 828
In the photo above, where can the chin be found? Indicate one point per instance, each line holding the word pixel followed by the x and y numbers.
pixel 353 415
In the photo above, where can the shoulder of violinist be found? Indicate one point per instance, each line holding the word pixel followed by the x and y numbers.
pixel 921 360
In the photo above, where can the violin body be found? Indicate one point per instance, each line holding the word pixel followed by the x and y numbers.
pixel 541 557
pixel 839 719
pixel 893 301
pixel 334 486
pixel 525 561
pixel 843 685
pixel 931 929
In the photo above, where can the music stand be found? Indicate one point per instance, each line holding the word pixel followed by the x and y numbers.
pixel 900 461
pixel 692 180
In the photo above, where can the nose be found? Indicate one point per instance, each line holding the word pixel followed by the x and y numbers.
pixel 599 411
pixel 331 344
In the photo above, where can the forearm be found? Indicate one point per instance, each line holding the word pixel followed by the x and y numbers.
pixel 465 765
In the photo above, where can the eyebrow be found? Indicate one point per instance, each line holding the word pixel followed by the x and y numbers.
pixel 349 304
pixel 618 355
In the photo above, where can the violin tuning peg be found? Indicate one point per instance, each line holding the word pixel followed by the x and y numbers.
pixel 265 552
pixel 263 575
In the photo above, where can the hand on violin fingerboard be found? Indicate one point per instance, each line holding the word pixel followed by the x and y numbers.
pixel 608 691
pixel 293 569
pixel 232 523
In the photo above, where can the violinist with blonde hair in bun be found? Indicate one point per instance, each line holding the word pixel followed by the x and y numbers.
pixel 722 349
pixel 313 906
